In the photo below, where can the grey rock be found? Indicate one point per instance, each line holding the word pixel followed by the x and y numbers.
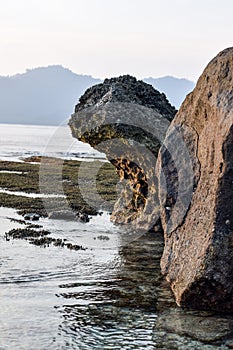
pixel 127 120
pixel 62 215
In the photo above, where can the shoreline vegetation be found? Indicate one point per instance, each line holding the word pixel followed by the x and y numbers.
pixel 22 179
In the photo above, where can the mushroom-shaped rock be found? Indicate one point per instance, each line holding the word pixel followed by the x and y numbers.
pixel 126 119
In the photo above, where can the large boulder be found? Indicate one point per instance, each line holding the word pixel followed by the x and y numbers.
pixel 127 119
pixel 196 192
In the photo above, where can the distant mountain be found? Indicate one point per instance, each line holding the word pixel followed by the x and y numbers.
pixel 48 95
pixel 175 89
pixel 44 95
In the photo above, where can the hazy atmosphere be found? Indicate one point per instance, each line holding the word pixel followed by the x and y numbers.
pixel 108 38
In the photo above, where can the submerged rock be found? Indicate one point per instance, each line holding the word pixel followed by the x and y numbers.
pixel 127 120
pixel 69 216
pixel 197 201
pixel 40 238
pixel 204 328
pixel 32 216
pixel 62 215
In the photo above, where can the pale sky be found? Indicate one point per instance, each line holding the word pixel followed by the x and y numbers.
pixel 105 38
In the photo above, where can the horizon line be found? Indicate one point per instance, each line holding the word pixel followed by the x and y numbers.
pixel 91 76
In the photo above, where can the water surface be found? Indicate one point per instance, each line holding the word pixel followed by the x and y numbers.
pixel 21 141
pixel 110 296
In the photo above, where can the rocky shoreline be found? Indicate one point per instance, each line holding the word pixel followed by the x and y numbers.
pixel 137 293
pixel 189 188
pixel 187 194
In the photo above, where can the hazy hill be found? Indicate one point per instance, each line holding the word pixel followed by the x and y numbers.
pixel 42 95
pixel 174 88
pixel 48 95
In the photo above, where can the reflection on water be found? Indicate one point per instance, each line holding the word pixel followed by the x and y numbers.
pixel 107 297
pixel 118 311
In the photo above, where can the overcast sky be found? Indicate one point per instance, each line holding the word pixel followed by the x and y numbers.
pixel 106 38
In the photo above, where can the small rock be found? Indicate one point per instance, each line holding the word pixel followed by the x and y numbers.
pixel 83 217
pixel 103 238
pixel 32 217
pixel 62 215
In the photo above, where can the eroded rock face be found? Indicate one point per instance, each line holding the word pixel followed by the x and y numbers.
pixel 127 120
pixel 198 254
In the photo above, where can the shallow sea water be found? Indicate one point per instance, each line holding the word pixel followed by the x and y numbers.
pixel 106 297
pixel 21 141
pixel 110 296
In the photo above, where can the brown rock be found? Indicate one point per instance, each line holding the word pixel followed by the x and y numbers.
pixel 197 201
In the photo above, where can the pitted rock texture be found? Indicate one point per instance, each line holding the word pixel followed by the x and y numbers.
pixel 126 119
pixel 198 254
pixel 126 89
